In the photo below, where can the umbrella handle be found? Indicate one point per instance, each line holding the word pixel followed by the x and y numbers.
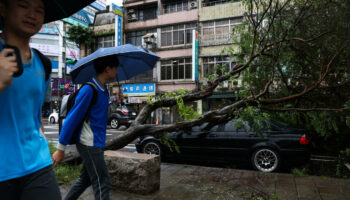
pixel 18 59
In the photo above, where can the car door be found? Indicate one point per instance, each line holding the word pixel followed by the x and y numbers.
pixel 193 143
pixel 239 140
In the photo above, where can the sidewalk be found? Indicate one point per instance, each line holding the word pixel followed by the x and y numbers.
pixel 187 182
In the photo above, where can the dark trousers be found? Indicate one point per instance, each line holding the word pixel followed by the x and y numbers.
pixel 94 172
pixel 40 185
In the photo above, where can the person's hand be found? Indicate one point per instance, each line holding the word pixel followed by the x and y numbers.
pixel 57 157
pixel 8 66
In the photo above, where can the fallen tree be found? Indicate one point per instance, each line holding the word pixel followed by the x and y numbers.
pixel 292 53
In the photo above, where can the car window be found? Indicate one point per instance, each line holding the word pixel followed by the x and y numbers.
pixel 199 128
pixel 212 128
pixel 130 108
pixel 275 126
pixel 230 127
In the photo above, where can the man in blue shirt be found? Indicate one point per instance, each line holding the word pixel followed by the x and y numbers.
pixel 25 166
pixel 92 135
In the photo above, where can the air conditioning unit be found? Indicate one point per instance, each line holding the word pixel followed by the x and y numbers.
pixel 131 10
pixel 149 40
pixel 193 4
pixel 132 17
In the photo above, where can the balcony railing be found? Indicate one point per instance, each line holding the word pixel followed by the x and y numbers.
pixel 216 39
pixel 206 3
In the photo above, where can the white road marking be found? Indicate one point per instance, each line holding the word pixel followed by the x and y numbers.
pixel 50 132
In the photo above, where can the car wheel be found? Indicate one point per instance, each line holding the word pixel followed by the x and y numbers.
pixel 265 160
pixel 52 120
pixel 114 123
pixel 152 147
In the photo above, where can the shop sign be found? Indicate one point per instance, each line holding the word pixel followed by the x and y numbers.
pixel 50 31
pixel 99 4
pixel 117 10
pixel 146 89
pixel 137 99
pixel 46 49
pixel 62 86
pixel 72 53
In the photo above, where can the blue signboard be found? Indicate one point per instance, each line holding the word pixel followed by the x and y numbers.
pixel 50 31
pixel 54 64
pixel 146 89
pixel 82 17
pixel 119 26
pixel 97 6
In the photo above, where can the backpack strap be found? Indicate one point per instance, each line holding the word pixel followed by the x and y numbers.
pixel 93 100
pixel 46 63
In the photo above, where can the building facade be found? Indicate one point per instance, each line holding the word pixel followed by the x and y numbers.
pixel 167 28
pixel 51 41
pixel 217 19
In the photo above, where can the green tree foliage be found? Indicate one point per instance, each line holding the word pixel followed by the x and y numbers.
pixel 81 35
pixel 294 61
pixel 302 47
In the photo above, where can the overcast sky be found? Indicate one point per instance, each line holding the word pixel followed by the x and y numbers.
pixel 118 2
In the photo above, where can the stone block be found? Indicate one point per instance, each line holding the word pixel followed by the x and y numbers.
pixel 134 173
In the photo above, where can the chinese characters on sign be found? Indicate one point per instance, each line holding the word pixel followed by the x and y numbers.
pixel 147 89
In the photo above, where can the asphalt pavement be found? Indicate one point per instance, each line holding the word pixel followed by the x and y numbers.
pixel 51 134
pixel 188 182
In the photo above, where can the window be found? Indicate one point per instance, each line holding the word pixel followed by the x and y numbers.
pixel 135 38
pixel 144 77
pixel 219 30
pixel 216 2
pixel 177 69
pixel 175 7
pixel 177 34
pixel 229 127
pixel 209 64
pixel 142 13
pixel 105 41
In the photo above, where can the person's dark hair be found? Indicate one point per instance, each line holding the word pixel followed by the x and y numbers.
pixel 101 64
pixel 5 2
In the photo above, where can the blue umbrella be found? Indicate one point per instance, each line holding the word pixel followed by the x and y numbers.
pixel 132 61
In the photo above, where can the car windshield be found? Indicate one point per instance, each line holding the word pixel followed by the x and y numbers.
pixel 130 108
pixel 279 124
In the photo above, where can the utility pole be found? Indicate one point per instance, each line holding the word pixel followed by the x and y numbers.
pixel 61 66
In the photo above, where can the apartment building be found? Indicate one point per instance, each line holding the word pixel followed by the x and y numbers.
pixel 167 28
pixel 217 19
pixel 52 41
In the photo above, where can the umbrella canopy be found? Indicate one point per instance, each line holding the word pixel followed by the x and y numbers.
pixel 58 9
pixel 132 61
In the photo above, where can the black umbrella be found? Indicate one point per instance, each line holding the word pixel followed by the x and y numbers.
pixel 58 9
pixel 54 10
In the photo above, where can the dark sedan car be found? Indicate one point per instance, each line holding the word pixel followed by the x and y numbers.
pixel 122 115
pixel 267 151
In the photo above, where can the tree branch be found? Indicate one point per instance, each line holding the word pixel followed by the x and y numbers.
pixel 311 88
pixel 303 109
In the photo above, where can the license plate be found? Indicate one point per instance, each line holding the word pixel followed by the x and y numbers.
pixel 134 113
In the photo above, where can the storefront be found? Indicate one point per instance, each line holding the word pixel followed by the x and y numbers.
pixel 138 95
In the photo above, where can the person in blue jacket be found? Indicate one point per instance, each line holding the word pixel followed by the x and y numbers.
pixel 92 136
pixel 25 166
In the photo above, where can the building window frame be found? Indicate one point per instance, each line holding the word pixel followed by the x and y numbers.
pixel 135 37
pixel 211 62
pixel 180 34
pixel 219 29
pixel 106 41
pixel 176 69
pixel 173 7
